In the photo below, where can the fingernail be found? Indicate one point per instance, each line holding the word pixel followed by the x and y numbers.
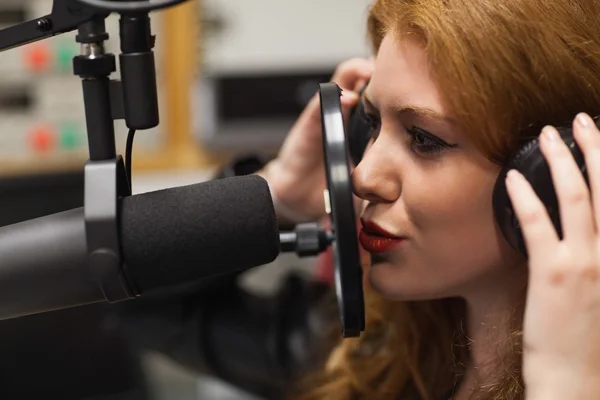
pixel 510 175
pixel 348 94
pixel 584 120
pixel 550 134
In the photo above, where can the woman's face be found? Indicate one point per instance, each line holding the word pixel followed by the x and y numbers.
pixel 424 182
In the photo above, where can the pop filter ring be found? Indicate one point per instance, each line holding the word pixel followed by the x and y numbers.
pixel 340 205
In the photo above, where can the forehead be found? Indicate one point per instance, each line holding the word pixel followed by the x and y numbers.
pixel 402 76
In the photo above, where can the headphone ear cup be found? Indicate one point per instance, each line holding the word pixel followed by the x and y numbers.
pixel 530 162
pixel 503 209
pixel 358 131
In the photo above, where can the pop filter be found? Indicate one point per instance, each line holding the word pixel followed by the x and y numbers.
pixel 340 207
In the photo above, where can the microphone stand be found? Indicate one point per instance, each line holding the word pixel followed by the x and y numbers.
pixel 134 99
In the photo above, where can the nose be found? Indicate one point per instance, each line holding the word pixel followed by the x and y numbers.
pixel 377 178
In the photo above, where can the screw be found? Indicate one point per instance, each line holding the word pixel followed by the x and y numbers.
pixel 44 24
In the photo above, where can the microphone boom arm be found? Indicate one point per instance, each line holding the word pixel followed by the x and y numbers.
pixel 66 16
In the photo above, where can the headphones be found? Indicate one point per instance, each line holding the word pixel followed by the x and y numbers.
pixel 528 160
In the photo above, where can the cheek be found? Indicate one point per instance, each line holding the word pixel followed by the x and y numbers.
pixel 455 217
pixel 450 194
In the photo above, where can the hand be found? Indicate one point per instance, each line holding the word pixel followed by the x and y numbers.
pixel 562 315
pixel 297 175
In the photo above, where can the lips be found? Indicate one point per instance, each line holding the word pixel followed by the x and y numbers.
pixel 375 239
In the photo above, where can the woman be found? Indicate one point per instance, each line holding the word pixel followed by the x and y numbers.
pixel 456 87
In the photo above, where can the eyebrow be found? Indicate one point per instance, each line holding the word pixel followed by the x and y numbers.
pixel 411 109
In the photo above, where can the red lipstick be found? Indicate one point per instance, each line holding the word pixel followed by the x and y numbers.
pixel 375 239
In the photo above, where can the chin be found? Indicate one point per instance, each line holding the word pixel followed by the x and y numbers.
pixel 406 284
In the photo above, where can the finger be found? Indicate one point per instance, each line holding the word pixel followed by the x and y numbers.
pixel 587 136
pixel 573 195
pixel 312 112
pixel 349 100
pixel 307 132
pixel 360 85
pixel 347 76
pixel 538 232
pixel 349 72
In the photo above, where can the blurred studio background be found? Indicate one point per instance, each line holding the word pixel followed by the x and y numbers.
pixel 232 75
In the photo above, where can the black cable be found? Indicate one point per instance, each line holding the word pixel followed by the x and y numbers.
pixel 136 6
pixel 128 155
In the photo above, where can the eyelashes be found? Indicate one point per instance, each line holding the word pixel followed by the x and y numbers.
pixel 425 142
pixel 422 142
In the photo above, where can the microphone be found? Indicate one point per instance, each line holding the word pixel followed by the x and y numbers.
pixel 168 237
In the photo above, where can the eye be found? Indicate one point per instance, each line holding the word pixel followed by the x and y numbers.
pixel 423 142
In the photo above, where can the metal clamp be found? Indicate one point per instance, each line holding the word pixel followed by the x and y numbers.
pixel 105 182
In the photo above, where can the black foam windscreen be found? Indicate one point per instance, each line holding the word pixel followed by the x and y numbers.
pixel 182 234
